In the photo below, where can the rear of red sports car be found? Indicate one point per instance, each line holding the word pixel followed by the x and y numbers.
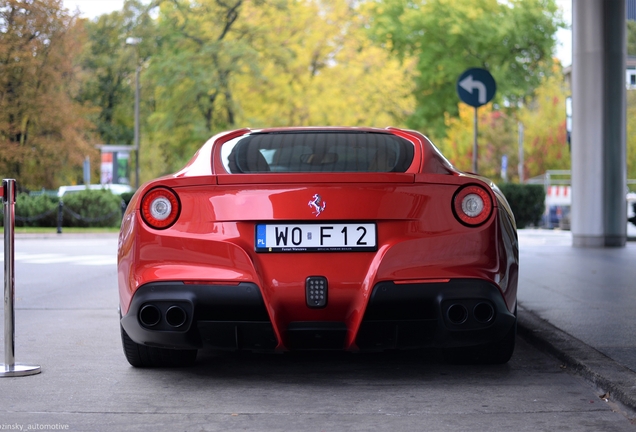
pixel 318 238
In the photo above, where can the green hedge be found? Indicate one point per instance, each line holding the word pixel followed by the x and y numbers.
pixel 89 208
pixel 35 211
pixel 527 202
pixel 97 208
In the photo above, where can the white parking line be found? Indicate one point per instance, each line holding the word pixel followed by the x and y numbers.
pixel 19 255
pixel 90 260
pixel 95 261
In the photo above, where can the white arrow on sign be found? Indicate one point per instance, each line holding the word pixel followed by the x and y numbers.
pixel 469 85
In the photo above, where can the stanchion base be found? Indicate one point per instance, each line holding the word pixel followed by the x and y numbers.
pixel 18 370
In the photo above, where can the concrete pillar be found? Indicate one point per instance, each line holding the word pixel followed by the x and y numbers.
pixel 599 170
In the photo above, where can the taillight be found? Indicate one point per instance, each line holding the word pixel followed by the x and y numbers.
pixel 472 205
pixel 160 208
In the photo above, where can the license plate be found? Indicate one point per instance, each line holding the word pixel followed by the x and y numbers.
pixel 325 237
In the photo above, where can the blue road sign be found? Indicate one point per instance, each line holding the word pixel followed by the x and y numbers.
pixel 476 87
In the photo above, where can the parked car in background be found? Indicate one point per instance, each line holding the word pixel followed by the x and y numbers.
pixel 117 189
pixel 282 239
pixel 631 214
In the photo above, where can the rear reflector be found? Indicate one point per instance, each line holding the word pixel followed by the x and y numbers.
pixel 207 282
pixel 420 281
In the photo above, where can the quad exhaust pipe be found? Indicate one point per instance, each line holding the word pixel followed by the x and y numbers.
pixel 458 314
pixel 176 316
pixel 151 316
pixel 483 312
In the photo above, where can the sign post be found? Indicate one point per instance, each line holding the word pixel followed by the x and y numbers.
pixel 10 368
pixel 476 87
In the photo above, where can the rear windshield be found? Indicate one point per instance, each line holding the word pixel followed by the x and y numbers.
pixel 317 151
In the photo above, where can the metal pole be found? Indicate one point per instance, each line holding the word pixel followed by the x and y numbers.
pixel 137 153
pixel 520 167
pixel 7 188
pixel 546 186
pixel 60 216
pixel 475 148
pixel 10 369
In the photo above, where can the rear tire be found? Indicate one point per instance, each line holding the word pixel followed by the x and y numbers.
pixel 144 356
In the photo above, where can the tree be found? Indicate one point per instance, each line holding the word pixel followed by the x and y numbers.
pixel 543 117
pixel 512 39
pixel 631 38
pixel 109 65
pixel 631 135
pixel 44 137
pixel 497 138
pixel 224 64
pixel 631 108
pixel 317 67
pixel 545 138
pixel 190 77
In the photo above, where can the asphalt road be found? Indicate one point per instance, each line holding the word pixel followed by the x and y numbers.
pixel 67 322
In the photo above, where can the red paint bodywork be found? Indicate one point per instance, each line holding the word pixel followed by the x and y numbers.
pixel 419 238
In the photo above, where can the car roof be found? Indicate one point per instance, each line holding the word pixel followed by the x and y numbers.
pixel 207 160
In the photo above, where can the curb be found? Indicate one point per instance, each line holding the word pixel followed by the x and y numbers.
pixel 607 374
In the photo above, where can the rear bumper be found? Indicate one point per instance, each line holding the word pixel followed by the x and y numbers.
pixel 221 316
pixel 461 312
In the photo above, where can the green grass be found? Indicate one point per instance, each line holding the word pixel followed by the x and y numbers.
pixel 65 230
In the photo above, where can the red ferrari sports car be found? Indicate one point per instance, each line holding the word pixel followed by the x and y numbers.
pixel 281 239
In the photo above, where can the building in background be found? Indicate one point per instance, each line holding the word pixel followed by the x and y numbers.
pixel 631 10
pixel 115 164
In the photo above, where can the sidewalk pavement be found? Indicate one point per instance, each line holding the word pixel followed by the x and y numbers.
pixel 580 305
